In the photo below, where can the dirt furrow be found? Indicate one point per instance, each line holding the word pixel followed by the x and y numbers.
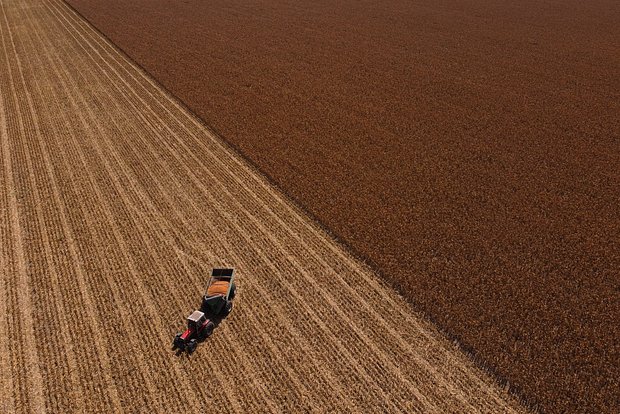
pixel 117 299
pixel 51 347
pixel 7 403
pixel 64 388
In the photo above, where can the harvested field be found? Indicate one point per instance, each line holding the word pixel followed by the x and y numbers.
pixel 115 204
pixel 468 149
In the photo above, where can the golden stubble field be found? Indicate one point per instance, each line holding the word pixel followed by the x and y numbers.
pixel 115 204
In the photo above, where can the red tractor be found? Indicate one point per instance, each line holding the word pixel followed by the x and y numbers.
pixel 216 305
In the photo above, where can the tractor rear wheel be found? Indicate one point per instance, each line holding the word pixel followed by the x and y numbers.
pixel 208 330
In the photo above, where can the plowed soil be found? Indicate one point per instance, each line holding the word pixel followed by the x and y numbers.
pixel 115 202
pixel 468 149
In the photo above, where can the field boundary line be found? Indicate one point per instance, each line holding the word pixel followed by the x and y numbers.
pixel 318 320
pixel 199 185
pixel 354 265
pixel 339 248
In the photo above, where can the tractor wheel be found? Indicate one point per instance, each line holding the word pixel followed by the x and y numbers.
pixel 191 346
pixel 209 329
pixel 233 291
pixel 226 309
pixel 175 341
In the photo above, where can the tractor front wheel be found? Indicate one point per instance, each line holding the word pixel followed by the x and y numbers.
pixel 175 342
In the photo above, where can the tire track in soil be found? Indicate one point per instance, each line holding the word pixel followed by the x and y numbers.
pixel 50 349
pixel 108 295
pixel 135 190
pixel 56 348
pixel 77 317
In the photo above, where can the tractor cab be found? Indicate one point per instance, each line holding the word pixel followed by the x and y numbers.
pixel 196 320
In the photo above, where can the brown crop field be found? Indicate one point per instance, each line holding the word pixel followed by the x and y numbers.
pixel 115 202
pixel 467 149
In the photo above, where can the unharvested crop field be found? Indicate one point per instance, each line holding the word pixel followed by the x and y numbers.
pixel 468 149
pixel 115 202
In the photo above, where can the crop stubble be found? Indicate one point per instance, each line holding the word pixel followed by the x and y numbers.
pixel 115 203
pixel 469 149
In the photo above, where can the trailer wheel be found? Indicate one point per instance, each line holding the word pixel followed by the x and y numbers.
pixel 226 309
pixel 233 291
